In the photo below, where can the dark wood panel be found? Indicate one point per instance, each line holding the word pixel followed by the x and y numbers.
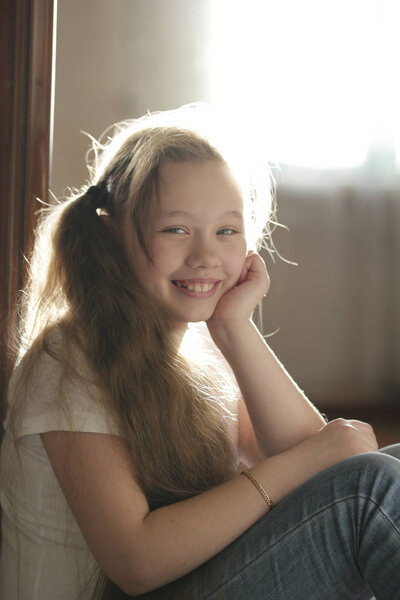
pixel 38 126
pixel 8 44
pixel 26 41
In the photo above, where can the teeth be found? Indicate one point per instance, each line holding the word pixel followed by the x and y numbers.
pixel 196 287
pixel 200 287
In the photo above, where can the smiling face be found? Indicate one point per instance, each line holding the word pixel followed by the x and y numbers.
pixel 198 246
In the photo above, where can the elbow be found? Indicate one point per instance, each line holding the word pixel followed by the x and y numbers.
pixel 133 587
pixel 138 581
pixel 134 591
pixel 139 571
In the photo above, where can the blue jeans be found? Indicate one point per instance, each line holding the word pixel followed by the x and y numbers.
pixel 337 537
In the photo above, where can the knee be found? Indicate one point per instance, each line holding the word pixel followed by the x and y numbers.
pixel 393 450
pixel 372 461
pixel 370 470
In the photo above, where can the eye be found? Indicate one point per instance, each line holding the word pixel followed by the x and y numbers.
pixel 174 230
pixel 226 231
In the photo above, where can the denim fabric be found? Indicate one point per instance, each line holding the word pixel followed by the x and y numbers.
pixel 337 537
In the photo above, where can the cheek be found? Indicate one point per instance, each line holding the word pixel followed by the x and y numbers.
pixel 160 255
pixel 145 271
pixel 162 249
pixel 236 259
pixel 165 261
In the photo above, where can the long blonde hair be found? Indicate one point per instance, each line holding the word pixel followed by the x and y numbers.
pixel 83 286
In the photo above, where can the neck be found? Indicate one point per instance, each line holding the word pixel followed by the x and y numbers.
pixel 177 332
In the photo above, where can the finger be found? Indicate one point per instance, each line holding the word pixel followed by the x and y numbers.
pixel 366 433
pixel 258 271
pixel 247 266
pixel 255 263
pixel 254 270
pixel 243 275
pixel 361 425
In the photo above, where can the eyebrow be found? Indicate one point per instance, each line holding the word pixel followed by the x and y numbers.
pixel 183 213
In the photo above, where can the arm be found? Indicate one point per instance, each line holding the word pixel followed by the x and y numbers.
pixel 249 450
pixel 281 414
pixel 141 550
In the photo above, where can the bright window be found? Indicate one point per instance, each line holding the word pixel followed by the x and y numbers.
pixel 318 80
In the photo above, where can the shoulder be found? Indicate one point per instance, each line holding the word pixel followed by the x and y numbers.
pixel 48 392
pixel 48 367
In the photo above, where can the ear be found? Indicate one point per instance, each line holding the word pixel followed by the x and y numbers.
pixel 110 225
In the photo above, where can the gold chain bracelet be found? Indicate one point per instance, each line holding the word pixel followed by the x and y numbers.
pixel 259 487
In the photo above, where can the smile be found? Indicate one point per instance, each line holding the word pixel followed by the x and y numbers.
pixel 198 287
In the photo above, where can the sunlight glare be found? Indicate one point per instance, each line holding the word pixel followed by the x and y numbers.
pixel 316 80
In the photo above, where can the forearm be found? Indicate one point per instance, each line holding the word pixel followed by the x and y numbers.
pixel 281 414
pixel 176 539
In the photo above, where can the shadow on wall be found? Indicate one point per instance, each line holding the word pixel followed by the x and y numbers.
pixel 338 309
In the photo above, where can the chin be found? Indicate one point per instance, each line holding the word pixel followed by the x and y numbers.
pixel 194 317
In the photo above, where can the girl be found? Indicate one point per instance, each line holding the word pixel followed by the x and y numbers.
pixel 154 446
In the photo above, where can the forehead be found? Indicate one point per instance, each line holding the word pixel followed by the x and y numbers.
pixel 198 186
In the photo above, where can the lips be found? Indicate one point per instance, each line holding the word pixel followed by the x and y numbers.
pixel 197 286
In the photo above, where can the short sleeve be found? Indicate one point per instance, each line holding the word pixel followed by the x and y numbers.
pixel 79 411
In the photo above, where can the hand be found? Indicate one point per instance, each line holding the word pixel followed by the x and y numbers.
pixel 239 302
pixel 338 440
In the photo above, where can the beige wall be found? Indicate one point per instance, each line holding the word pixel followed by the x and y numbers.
pixel 116 59
pixel 337 311
pixel 339 308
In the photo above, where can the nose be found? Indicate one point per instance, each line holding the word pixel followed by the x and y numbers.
pixel 203 254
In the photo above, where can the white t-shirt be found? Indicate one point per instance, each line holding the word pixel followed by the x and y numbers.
pixel 34 561
pixel 43 553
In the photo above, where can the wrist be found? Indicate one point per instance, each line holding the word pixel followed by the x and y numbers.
pixel 293 467
pixel 231 334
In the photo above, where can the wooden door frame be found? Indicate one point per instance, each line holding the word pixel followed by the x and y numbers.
pixel 27 74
